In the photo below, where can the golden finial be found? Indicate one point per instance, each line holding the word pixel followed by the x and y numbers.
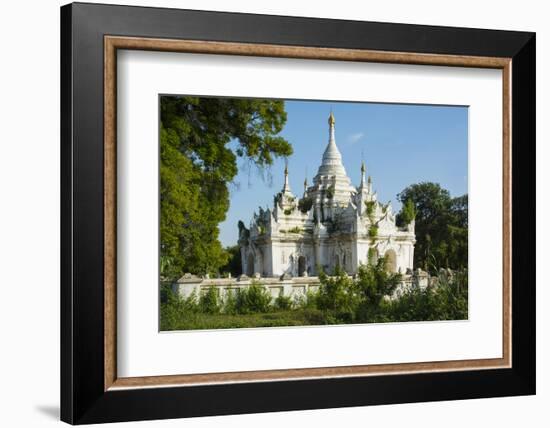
pixel 331 119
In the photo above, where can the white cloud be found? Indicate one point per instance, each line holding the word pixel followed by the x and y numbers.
pixel 354 138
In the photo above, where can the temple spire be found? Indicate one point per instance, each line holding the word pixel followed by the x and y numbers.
pixel 331 177
pixel 362 174
pixel 286 187
pixel 332 159
pixel 331 123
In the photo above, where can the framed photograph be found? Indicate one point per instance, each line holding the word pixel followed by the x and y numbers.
pixel 267 213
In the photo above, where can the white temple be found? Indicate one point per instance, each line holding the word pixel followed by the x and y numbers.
pixel 333 224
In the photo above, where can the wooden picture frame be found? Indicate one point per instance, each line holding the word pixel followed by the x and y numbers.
pixel 91 390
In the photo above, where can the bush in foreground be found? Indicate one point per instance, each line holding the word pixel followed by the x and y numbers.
pixel 340 300
pixel 253 299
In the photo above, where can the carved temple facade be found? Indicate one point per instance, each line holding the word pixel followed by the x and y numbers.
pixel 333 224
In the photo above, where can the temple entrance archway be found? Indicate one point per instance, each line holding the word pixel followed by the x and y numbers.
pixel 250 265
pixel 391 261
pixel 301 266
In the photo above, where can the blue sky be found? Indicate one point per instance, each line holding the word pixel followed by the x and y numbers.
pixel 400 144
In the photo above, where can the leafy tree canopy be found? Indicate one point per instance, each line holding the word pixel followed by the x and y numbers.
pixel 441 226
pixel 197 163
pixel 234 265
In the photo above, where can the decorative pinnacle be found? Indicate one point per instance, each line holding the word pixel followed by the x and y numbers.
pixel 331 119
pixel 370 180
pixel 286 187
pixel 362 185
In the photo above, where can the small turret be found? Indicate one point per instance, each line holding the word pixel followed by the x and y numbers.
pixel 362 185
pixel 286 187
pixel 285 199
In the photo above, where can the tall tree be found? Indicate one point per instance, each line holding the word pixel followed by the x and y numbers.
pixel 197 163
pixel 441 226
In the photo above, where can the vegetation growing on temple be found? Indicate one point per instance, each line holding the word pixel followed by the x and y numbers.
pixel 369 209
pixel 305 204
pixel 373 231
pixel 407 213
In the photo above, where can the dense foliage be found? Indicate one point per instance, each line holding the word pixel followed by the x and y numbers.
pixel 234 263
pixel 448 301
pixel 441 226
pixel 340 299
pixel 197 163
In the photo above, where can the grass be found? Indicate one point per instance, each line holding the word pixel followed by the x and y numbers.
pixel 199 321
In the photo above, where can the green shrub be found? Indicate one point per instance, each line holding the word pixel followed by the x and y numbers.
pixel 336 293
pixel 165 292
pixel 209 302
pixel 253 299
pixel 283 302
pixel 446 301
pixel 172 309
pixel 373 282
pixel 307 301
pixel 230 302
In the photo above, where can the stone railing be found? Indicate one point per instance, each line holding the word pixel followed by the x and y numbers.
pixel 286 285
pixel 295 287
